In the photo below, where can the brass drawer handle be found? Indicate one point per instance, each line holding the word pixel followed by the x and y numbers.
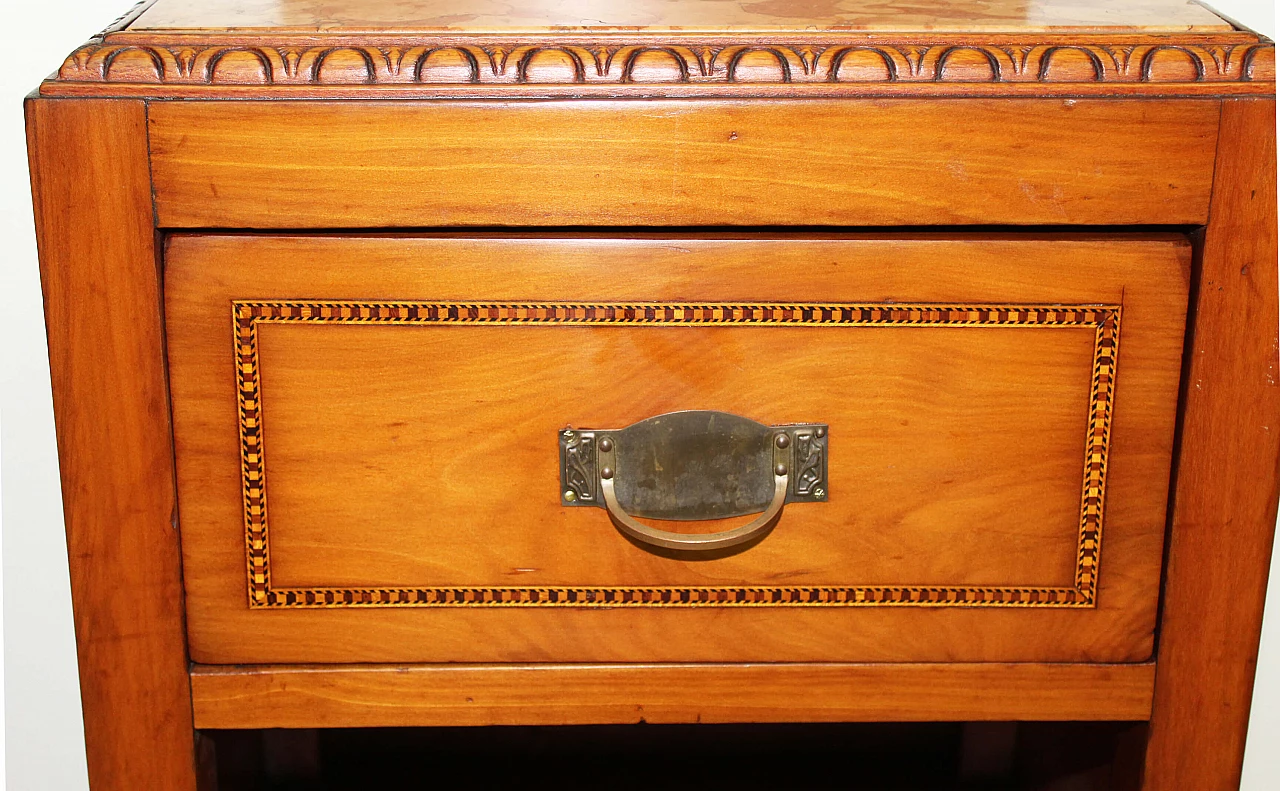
pixel 696 541
pixel 694 465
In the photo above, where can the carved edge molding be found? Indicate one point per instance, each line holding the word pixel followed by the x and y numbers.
pixel 693 62
pixel 247 316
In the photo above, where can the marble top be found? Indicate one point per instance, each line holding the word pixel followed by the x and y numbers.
pixel 684 16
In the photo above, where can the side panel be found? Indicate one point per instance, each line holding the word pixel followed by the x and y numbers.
pixel 1225 498
pixel 101 282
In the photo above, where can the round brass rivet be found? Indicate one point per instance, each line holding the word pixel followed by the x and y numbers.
pixel 606 472
pixel 606 444
pixel 570 495
pixel 781 469
pixel 820 432
pixel 782 441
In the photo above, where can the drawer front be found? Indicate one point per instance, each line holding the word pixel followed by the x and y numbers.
pixel 372 432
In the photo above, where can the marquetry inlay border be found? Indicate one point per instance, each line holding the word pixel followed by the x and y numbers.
pixel 671 64
pixel 247 316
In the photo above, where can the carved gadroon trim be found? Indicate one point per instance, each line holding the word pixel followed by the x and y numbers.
pixel 688 61
pixel 1102 321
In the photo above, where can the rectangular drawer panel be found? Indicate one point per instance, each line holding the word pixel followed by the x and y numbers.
pixel 672 162
pixel 367 427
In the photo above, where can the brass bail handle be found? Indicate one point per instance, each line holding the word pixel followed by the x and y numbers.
pixel 698 542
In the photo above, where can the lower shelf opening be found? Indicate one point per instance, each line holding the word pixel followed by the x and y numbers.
pixel 1027 756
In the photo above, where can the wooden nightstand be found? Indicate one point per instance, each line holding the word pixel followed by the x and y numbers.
pixel 667 361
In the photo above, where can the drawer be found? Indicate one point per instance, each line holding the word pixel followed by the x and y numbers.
pixel 374 437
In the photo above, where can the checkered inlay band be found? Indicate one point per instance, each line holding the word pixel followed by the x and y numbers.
pixel 1103 319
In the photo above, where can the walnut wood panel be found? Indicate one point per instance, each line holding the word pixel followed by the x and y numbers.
pixel 422 695
pixel 1227 480
pixel 100 273
pixel 496 16
pixel 374 473
pixel 681 163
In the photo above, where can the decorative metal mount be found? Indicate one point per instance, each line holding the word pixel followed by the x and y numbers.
pixel 693 465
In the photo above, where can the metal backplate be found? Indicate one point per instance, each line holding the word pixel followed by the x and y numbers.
pixel 693 465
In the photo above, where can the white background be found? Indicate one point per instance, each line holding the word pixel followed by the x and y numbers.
pixel 42 733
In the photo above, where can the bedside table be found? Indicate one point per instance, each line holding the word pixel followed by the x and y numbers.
pixel 424 364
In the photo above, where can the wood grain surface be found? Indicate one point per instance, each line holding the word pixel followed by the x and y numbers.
pixel 100 273
pixel 426 455
pixel 1227 478
pixel 345 696
pixel 681 163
